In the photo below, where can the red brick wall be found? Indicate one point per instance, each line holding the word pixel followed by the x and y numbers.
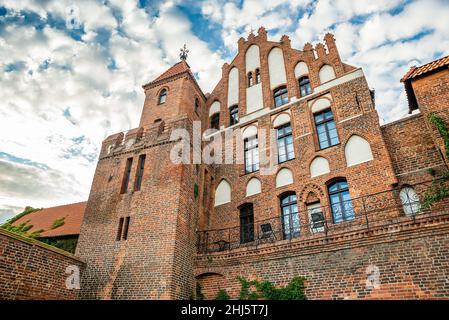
pixel 412 260
pixel 32 270
pixel 412 149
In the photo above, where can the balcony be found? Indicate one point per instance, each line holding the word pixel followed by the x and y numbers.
pixel 360 215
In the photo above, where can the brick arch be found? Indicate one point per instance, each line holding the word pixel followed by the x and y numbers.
pixel 166 87
pixel 354 133
pixel 319 98
pixel 310 188
pixel 211 283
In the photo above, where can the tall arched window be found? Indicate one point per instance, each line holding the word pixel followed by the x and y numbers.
pixel 233 115
pixel 280 96
pixel 285 143
pixel 340 200
pixel 251 151
pixel 246 223
pixel 250 79
pixel 215 121
pixel 410 201
pixel 304 86
pixel 290 217
pixel 257 76
pixel 162 96
pixel 326 129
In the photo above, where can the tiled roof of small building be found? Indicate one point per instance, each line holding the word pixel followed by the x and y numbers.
pixel 43 220
pixel 417 71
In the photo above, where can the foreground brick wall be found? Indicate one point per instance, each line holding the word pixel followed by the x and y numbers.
pixel 31 270
pixel 412 259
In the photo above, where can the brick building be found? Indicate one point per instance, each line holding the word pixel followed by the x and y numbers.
pixel 311 184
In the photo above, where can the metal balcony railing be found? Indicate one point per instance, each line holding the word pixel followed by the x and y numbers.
pixel 375 210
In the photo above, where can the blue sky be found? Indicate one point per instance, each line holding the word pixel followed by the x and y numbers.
pixel 71 71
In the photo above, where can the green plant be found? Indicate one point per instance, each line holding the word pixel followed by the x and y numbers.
pixel 26 211
pixel 199 292
pixel 222 295
pixel 57 223
pixel 266 290
pixel 442 129
pixel 196 190
pixel 439 189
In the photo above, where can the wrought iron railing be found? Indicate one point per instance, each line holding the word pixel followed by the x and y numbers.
pixel 374 210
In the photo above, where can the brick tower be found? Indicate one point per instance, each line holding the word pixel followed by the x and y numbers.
pixel 138 234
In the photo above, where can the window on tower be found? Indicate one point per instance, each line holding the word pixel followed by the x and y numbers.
pixel 140 169
pixel 250 79
pixel 162 96
pixel 125 182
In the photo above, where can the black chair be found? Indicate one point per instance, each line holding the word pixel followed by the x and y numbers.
pixel 267 232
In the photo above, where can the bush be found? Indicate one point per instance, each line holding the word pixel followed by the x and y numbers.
pixel 222 295
pixel 266 290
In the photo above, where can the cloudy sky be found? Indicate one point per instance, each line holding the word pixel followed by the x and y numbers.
pixel 71 71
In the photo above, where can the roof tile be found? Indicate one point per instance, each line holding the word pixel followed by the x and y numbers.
pixel 43 219
pixel 417 71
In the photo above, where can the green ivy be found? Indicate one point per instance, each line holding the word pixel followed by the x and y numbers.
pixel 199 292
pixel 222 295
pixel 196 190
pixel 22 229
pixel 439 189
pixel 57 223
pixel 266 290
pixel 442 129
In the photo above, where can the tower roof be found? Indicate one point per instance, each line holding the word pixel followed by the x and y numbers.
pixel 178 68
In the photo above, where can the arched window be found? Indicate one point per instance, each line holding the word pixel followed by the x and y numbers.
pixel 233 115
pixel 162 96
pixel 326 73
pixel 290 217
pixel 215 121
pixel 340 200
pixel 326 129
pixel 250 79
pixel 251 150
pixel 197 105
pixel 410 201
pixel 246 223
pixel 222 193
pixel 357 150
pixel 285 143
pixel 304 86
pixel 319 166
pixel 257 76
pixel 280 96
pixel 284 177
pixel 253 187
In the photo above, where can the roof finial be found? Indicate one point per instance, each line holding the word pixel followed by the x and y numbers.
pixel 184 52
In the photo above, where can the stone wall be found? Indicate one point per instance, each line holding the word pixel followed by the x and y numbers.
pixel 30 269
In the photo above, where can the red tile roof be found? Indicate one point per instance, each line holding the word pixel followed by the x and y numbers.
pixel 177 68
pixel 43 220
pixel 417 71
